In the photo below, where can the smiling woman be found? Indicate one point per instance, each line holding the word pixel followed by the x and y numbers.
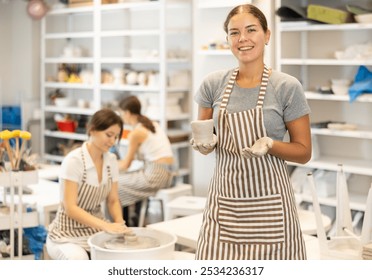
pixel 250 211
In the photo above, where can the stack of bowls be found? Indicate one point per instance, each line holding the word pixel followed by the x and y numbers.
pixel 340 86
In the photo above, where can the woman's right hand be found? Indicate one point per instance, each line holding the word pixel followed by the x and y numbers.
pixel 117 228
pixel 204 149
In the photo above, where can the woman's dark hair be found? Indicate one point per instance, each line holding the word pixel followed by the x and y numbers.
pixel 249 9
pixel 133 105
pixel 103 119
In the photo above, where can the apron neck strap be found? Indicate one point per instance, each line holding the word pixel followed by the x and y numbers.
pixel 230 85
pixel 228 89
pixel 264 81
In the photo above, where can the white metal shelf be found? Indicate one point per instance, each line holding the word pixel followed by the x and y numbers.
pixel 130 32
pixel 342 133
pixel 180 145
pixel 357 201
pixel 178 60
pixel 69 35
pixel 66 135
pixel 144 5
pixel 325 61
pixel 183 172
pixel 68 85
pixel 300 26
pixel 70 60
pixel 23 257
pixel 333 97
pixel 53 158
pixel 69 110
pixel 66 11
pixel 140 5
pixel 355 166
pixel 29 219
pixel 178 89
pixel 174 145
pixel 142 60
pixel 178 31
pixel 216 4
pixel 12 178
pixel 132 60
pixel 178 117
pixel 136 88
pixel 215 52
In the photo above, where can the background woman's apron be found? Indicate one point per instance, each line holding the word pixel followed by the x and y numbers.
pixel 251 211
pixel 90 198
pixel 138 185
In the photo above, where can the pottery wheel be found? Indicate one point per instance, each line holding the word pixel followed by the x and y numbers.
pixel 140 242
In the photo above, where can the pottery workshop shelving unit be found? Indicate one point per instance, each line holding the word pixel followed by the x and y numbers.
pixel 17 219
pixel 308 51
pixel 140 48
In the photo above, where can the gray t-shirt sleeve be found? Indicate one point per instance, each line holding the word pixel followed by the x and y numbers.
pixel 291 96
pixel 212 87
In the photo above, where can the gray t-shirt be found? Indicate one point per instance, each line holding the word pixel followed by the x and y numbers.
pixel 284 101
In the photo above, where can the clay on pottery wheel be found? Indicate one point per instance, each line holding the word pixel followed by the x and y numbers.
pixel 202 131
pixel 131 242
pixel 162 248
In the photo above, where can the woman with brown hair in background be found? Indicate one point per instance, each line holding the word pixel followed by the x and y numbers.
pixel 146 142
pixel 89 178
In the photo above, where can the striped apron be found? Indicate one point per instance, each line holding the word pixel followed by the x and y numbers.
pixel 90 198
pixel 251 211
pixel 138 185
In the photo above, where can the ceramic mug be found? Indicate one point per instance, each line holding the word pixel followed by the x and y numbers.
pixel 202 131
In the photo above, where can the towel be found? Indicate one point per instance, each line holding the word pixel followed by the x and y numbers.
pixel 362 83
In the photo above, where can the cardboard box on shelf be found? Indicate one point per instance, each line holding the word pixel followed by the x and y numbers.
pixel 82 3
pixel 327 14
pixel 79 3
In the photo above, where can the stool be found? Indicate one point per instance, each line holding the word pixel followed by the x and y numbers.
pixel 167 195
pixel 143 211
pixel 184 206
pixel 163 196
pixel 180 255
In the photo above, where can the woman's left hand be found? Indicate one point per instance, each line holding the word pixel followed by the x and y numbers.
pixel 259 148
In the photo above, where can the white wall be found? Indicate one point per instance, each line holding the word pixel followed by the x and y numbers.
pixel 5 47
pixel 19 63
pixel 19 53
